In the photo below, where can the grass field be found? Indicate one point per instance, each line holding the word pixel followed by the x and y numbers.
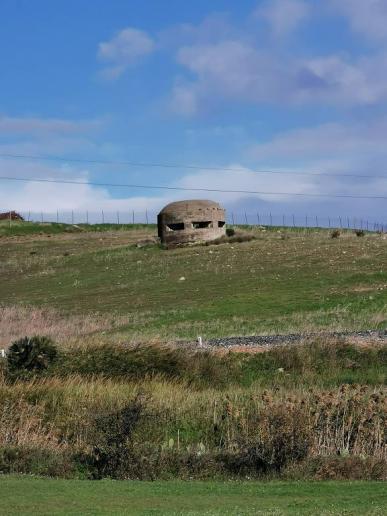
pixel 105 407
pixel 25 496
pixel 284 280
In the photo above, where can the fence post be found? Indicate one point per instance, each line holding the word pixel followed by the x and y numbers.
pixel 41 216
pixel 29 216
pixel 271 219
pixel 103 217
pixel 283 220
pixel 341 223
pixel 87 217
pixel 146 216
pixel 306 220
pixel 232 218
pixel 10 218
pixel 316 222
pixel 72 217
pixel 246 219
pixel 133 217
pixel 118 217
pixel 294 221
pixel 258 219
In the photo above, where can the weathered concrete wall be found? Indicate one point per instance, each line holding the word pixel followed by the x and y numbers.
pixel 191 221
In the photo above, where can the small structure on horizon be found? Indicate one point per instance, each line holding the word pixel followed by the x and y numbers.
pixel 184 222
pixel 10 215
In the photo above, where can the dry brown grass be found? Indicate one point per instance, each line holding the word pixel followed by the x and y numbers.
pixel 23 424
pixel 57 414
pixel 19 321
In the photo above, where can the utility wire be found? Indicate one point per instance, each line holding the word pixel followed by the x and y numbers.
pixel 180 188
pixel 181 166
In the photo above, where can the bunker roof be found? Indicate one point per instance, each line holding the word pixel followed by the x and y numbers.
pixel 179 206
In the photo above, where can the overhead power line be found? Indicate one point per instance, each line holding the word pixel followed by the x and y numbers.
pixel 181 188
pixel 182 166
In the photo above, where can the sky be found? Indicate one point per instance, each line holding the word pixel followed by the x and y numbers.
pixel 276 96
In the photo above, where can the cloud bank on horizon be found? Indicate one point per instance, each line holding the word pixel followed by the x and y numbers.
pixel 282 85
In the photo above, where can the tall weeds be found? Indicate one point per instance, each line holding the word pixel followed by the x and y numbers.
pixel 163 413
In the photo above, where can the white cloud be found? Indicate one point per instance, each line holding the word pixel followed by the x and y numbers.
pixel 283 16
pixel 49 197
pixel 234 64
pixel 231 70
pixel 184 100
pixel 352 141
pixel 123 50
pixel 237 71
pixel 367 17
pixel 245 179
pixel 38 126
pixel 335 149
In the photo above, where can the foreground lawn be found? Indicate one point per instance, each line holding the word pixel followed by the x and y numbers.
pixel 23 495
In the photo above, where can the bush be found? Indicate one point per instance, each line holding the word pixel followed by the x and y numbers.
pixel 230 232
pixel 236 238
pixel 199 368
pixel 35 461
pixel 335 233
pixel 274 439
pixel 339 468
pixel 359 232
pixel 30 355
pixel 112 452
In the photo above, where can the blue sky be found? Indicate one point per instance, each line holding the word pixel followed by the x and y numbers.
pixel 284 85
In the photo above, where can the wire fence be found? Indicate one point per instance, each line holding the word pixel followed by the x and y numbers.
pixel 232 218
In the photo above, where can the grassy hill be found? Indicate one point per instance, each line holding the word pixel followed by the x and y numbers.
pixel 105 408
pixel 285 280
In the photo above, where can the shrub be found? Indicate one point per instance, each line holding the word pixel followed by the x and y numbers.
pixel 230 232
pixel 236 238
pixel 359 232
pixel 339 468
pixel 112 450
pixel 35 461
pixel 200 368
pixel 335 233
pixel 272 439
pixel 30 355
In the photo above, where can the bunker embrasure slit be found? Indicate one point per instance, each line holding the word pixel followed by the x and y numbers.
pixel 202 224
pixel 176 226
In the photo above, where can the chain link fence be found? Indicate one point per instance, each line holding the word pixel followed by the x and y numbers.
pixel 233 218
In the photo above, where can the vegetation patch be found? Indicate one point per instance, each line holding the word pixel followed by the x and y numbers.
pixel 156 412
pixel 282 281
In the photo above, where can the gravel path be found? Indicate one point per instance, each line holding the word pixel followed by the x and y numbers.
pixel 292 338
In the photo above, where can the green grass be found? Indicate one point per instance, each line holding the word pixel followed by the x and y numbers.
pixel 23 228
pixel 282 281
pixel 23 495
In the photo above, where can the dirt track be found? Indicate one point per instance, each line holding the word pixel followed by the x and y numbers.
pixel 292 338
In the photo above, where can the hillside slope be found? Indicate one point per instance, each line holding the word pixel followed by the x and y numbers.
pixel 283 281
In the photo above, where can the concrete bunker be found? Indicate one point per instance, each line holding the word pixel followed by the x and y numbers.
pixel 183 222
